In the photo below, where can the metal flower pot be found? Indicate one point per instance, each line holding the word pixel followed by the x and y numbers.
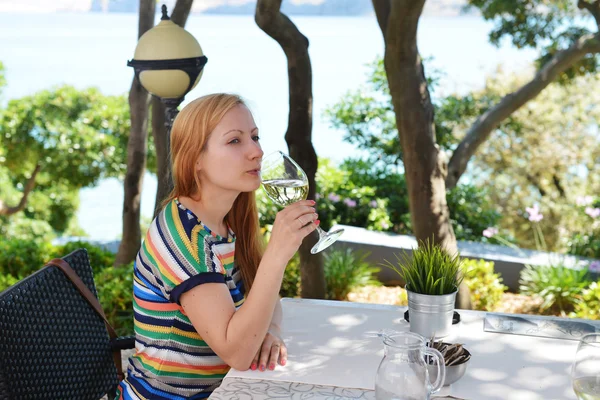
pixel 431 315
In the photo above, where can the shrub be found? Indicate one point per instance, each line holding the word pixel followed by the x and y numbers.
pixel 588 306
pixel 485 286
pixel 470 212
pixel 100 258
pixel 21 258
pixel 585 245
pixel 115 291
pixel 345 271
pixel 7 280
pixel 290 286
pixel 558 286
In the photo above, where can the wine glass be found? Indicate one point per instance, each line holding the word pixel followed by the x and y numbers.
pixel 286 183
pixel 586 368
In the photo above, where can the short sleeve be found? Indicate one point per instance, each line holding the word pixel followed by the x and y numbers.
pixel 178 265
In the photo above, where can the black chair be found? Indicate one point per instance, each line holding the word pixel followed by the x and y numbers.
pixel 53 344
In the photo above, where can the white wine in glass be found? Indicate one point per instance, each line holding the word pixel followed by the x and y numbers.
pixel 286 183
pixel 586 368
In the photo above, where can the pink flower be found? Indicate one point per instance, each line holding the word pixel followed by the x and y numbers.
pixel 333 197
pixel 490 231
pixel 534 213
pixel 593 212
pixel 595 266
pixel 584 200
pixel 373 203
pixel 350 203
pixel 318 196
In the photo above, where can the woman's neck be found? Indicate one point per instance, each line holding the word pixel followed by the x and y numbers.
pixel 211 208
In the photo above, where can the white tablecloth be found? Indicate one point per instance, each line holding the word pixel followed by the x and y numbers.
pixel 330 346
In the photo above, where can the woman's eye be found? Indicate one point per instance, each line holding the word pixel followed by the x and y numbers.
pixel 234 141
pixel 256 138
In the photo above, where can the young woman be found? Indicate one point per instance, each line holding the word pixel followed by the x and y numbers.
pixel 193 273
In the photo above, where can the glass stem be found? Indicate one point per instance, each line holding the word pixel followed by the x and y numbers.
pixel 321 232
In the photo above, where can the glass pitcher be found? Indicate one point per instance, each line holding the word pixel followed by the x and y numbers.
pixel 402 373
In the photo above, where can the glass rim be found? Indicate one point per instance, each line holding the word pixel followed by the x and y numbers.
pixel 418 341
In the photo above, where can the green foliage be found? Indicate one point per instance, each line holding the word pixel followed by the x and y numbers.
pixel 470 212
pixel 20 258
pixel 290 286
pixel 588 306
pixel 558 286
pixel 585 244
pixel 430 270
pixel 23 228
pixel 367 118
pixel 2 78
pixel 7 280
pixel 77 137
pixel 549 25
pixel 345 271
pixel 485 286
pixel 100 259
pixel 115 291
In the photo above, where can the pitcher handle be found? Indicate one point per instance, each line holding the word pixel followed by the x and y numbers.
pixel 441 369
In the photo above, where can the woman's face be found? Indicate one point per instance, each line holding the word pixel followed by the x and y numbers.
pixel 232 157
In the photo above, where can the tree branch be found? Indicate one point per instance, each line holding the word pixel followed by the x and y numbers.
pixel 593 8
pixel 487 122
pixel 5 210
pixel 277 25
pixel 181 12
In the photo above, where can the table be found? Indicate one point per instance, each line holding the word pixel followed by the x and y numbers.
pixel 334 354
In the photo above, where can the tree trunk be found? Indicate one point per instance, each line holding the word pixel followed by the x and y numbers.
pixel 163 169
pixel 179 16
pixel 425 165
pixel 136 153
pixel 299 133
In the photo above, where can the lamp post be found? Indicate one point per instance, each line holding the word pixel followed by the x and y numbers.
pixel 168 62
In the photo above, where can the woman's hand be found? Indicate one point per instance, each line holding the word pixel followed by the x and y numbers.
pixel 291 226
pixel 272 351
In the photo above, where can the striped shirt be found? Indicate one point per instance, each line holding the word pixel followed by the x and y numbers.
pixel 171 360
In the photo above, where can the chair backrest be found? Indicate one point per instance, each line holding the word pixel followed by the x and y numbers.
pixel 53 345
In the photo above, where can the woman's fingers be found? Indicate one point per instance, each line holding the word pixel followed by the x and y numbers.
pixel 265 352
pixel 283 354
pixel 254 364
pixel 275 348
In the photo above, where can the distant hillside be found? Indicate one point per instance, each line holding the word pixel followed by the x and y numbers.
pixel 333 7
pixel 327 7
pixel 243 7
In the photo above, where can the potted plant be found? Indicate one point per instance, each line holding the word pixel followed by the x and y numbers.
pixel 432 278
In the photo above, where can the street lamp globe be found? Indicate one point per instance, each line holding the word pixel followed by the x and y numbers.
pixel 168 62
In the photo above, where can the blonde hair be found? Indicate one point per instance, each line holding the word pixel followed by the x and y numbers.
pixel 189 136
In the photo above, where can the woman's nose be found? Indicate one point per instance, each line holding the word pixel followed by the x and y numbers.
pixel 256 151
